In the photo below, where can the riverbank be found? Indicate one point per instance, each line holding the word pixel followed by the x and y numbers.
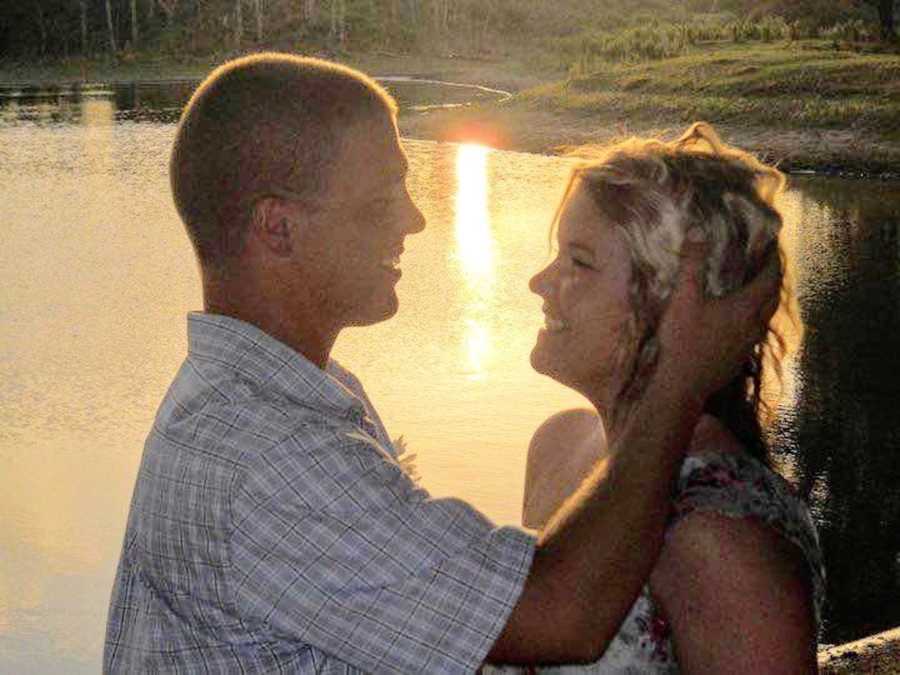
pixel 802 107
pixel 805 106
pixel 844 152
pixel 874 655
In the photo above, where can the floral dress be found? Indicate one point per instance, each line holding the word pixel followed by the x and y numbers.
pixel 733 485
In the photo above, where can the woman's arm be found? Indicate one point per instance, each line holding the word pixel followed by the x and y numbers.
pixel 737 597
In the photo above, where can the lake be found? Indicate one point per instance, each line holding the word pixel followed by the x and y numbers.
pixel 96 276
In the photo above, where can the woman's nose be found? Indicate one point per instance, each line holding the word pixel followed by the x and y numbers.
pixel 540 282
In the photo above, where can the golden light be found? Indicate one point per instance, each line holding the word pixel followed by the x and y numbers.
pixel 781 393
pixel 475 253
pixel 478 347
pixel 473 226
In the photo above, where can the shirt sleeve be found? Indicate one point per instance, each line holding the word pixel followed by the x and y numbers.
pixel 335 547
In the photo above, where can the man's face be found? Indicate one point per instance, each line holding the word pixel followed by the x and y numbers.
pixel 350 248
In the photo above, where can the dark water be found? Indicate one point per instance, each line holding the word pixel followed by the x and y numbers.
pixel 163 101
pixel 95 277
pixel 843 432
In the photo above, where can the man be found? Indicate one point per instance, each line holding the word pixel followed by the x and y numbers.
pixel 271 528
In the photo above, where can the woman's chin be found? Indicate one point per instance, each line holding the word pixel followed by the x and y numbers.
pixel 543 363
pixel 537 359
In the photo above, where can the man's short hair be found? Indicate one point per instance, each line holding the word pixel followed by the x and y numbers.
pixel 262 121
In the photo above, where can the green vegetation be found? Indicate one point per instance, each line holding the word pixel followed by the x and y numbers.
pixel 802 85
pixel 40 30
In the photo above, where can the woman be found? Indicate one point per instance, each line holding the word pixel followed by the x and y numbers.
pixel 739 584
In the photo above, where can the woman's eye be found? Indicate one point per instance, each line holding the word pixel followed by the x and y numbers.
pixel 580 263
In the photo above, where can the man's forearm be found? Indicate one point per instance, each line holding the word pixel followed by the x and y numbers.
pixel 598 550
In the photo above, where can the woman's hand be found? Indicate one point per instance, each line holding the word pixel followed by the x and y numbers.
pixel 704 342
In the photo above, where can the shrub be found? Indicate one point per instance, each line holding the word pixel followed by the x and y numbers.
pixel 853 30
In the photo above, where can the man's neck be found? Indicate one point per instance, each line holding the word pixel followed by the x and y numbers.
pixel 299 330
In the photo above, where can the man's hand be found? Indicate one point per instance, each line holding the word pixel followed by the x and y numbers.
pixel 703 342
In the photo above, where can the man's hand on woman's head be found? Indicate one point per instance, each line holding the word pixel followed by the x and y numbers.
pixel 704 341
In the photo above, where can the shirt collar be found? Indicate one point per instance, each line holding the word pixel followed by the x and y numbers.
pixel 256 355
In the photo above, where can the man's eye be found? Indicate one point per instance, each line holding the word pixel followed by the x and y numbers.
pixel 380 204
pixel 376 207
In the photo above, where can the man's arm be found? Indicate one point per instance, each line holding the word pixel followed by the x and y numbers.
pixel 597 551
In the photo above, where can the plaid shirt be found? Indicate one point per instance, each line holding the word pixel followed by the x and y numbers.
pixel 272 530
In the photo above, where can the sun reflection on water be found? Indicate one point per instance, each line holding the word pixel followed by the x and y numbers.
pixel 473 225
pixel 475 254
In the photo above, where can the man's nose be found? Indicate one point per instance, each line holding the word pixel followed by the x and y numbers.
pixel 415 222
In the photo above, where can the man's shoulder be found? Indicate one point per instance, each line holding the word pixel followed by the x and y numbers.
pixel 235 430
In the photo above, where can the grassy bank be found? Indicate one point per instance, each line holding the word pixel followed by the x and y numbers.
pixel 805 105
pixel 801 85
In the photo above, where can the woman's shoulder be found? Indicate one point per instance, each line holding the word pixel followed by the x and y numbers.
pixel 741 579
pixel 561 452
pixel 563 428
pixel 731 497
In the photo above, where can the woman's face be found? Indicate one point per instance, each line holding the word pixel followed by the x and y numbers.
pixel 586 306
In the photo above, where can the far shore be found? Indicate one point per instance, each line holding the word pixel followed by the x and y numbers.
pixel 517 127
pixel 529 123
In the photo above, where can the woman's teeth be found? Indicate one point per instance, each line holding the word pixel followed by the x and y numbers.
pixel 554 325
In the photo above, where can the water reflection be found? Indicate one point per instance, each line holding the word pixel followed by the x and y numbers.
pixel 474 253
pixel 843 432
pixel 779 379
pixel 475 245
pixel 162 101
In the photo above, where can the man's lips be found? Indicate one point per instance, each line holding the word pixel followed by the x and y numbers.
pixel 392 261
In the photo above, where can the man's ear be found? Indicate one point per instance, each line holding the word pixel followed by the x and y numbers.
pixel 274 226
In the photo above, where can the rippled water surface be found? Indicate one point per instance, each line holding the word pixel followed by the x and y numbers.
pixel 96 276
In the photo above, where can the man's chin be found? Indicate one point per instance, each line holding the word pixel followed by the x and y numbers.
pixel 377 313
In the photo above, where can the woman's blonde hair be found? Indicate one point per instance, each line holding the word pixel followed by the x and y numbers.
pixel 654 193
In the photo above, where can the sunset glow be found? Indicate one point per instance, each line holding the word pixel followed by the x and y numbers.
pixel 473 227
pixel 475 252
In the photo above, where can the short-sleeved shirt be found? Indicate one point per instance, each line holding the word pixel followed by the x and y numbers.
pixel 272 529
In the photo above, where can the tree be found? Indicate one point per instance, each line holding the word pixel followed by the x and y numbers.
pixel 886 18
pixel 259 19
pixel 84 27
pixel 886 9
pixel 134 24
pixel 339 21
pixel 238 23
pixel 169 7
pixel 309 10
pixel 42 25
pixel 109 25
